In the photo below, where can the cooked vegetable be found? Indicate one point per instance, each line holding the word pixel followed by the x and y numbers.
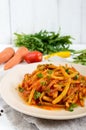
pixel 72 106
pixel 21 89
pixel 39 75
pixel 81 57
pixel 37 95
pixel 6 54
pixel 17 58
pixel 52 90
pixel 34 56
pixel 43 41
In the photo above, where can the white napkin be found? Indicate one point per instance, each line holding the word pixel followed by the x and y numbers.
pixel 43 124
pixel 16 118
pixel 24 122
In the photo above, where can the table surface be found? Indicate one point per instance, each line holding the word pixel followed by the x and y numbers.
pixel 4 122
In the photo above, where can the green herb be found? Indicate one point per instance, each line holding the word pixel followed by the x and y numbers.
pixel 50 71
pixel 37 95
pixel 67 70
pixel 43 83
pixel 76 77
pixel 48 90
pixel 39 104
pixel 48 77
pixel 81 57
pixel 21 89
pixel 40 75
pixel 79 51
pixel 44 41
pixel 72 106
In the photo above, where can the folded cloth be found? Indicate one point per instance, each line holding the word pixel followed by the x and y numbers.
pixel 25 122
pixel 43 124
pixel 16 118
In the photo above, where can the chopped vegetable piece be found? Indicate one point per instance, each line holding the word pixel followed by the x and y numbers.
pixel 67 70
pixel 21 89
pixel 72 106
pixel 37 95
pixel 40 75
pixel 43 83
pixel 50 71
pixel 76 77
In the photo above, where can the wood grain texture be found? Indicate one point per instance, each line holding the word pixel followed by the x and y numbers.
pixel 4 22
pixel 70 18
pixel 31 16
pixel 83 21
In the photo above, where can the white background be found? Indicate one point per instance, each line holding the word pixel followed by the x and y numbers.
pixel 30 16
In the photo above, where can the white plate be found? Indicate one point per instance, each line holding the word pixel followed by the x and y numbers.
pixel 11 97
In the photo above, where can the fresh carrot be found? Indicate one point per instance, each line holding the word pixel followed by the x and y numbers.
pixel 17 58
pixel 6 54
pixel 12 62
pixel 22 51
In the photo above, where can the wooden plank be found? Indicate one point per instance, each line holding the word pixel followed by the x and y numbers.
pixel 4 22
pixel 33 15
pixel 46 15
pixel 21 16
pixel 29 15
pixel 83 22
pixel 70 18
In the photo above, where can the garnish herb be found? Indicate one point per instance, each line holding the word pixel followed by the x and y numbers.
pixel 43 83
pixel 48 77
pixel 40 75
pixel 21 89
pixel 67 70
pixel 76 77
pixel 72 106
pixel 48 90
pixel 37 95
pixel 50 71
